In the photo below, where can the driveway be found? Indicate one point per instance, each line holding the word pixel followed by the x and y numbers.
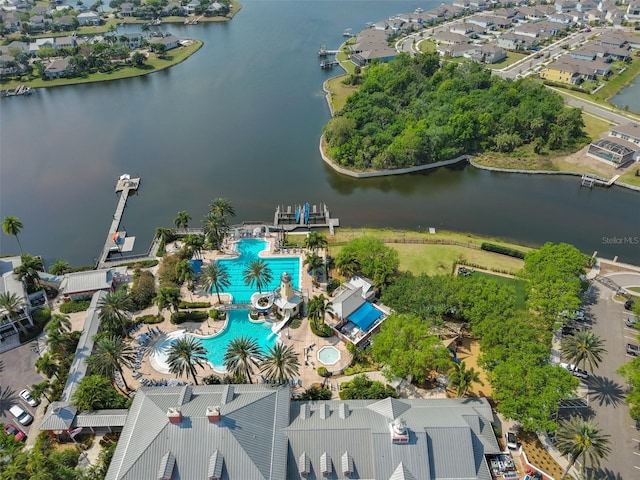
pixel 606 388
pixel 16 373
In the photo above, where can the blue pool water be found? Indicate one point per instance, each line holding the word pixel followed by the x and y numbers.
pixel 238 325
pixel 249 249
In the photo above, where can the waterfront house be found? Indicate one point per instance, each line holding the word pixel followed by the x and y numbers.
pixel 217 8
pixel 257 432
pixel 169 42
pixel 58 67
pixel 131 40
pixel 371 44
pixel 64 23
pixel 89 18
pixel 126 9
pixel 82 285
pixel 627 131
pixel 191 7
pixel 617 151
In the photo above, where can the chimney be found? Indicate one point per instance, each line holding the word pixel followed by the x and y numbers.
pixel 174 415
pixel 213 414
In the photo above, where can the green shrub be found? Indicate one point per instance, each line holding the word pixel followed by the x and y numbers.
pixel 212 380
pixel 194 305
pixel 323 372
pixel 323 330
pixel 217 314
pixel 511 252
pixel 254 315
pixel 75 306
pixel 143 290
pixel 180 317
pixel 40 319
pixel 149 319
pixel 141 264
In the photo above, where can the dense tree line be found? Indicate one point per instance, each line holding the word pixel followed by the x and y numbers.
pixel 412 111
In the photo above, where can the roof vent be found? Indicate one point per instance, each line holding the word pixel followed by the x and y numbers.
pixel 305 411
pixel 174 414
pixel 167 462
pixel 347 464
pixel 325 465
pixel 185 395
pixel 216 461
pixel 304 465
pixel 324 411
pixel 399 431
pixel 213 414
pixel 343 410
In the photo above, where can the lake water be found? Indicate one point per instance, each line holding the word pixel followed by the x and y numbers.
pixel 629 97
pixel 242 119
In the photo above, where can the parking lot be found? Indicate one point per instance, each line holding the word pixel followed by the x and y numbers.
pixel 606 388
pixel 16 373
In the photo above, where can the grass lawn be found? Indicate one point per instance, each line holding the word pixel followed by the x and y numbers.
pixel 433 259
pixel 519 285
pixel 427 46
pixel 594 126
pixel 153 64
pixel 512 58
pixel 339 92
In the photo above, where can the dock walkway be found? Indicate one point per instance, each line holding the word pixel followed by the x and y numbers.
pixel 124 186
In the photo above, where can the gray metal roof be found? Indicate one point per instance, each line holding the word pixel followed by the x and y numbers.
pixel 88 281
pixel 248 437
pixel 85 345
pixel 101 418
pixel 59 416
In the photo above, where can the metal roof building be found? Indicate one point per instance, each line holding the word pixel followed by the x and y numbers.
pixel 256 432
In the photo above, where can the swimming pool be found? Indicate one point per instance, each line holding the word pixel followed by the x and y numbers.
pixel 249 250
pixel 329 355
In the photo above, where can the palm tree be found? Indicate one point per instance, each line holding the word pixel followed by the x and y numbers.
pixel 113 311
pixel 168 297
pixel 315 241
pixel 183 217
pixel 110 354
pixel 348 265
pixel 166 235
pixel 184 271
pixel 215 227
pixel 222 207
pixel 257 273
pixel 215 277
pixel 195 243
pixel 13 226
pixel 317 307
pixel 584 347
pixel 280 363
pixel 47 365
pixel 243 353
pixel 580 438
pixel 60 267
pixel 59 323
pixel 39 390
pixel 461 378
pixel 184 355
pixel 13 305
pixel 28 270
pixel 315 265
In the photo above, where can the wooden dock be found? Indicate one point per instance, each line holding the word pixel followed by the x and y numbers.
pixel 328 64
pixel 124 186
pixel 591 181
pixel 289 218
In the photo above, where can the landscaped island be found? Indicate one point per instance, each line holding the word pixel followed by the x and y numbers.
pixel 412 112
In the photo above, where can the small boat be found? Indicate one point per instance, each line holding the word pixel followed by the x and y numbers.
pixel 306 213
pixel 346 33
pixel 298 214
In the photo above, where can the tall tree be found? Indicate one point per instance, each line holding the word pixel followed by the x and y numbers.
pixel 96 392
pixel 13 306
pixel 113 311
pixel 184 272
pixel 39 390
pixel 317 307
pixel 47 365
pixel 195 243
pixel 243 353
pixel 315 241
pixel 168 297
pixel 584 347
pixel 184 355
pixel 28 270
pixel 60 267
pixel 60 323
pixel 182 219
pixel 110 354
pixel 215 227
pixel 257 273
pixel 223 207
pixel 462 378
pixel 581 439
pixel 215 277
pixel 314 264
pixel 280 363
pixel 13 226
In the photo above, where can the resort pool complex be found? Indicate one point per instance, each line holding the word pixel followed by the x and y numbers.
pixel 249 250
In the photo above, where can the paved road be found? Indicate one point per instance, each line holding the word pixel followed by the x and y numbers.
pixel 17 372
pixel 606 387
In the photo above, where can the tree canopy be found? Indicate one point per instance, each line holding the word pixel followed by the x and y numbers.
pixel 371 257
pixel 412 111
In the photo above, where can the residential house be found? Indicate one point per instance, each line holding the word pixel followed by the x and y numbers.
pixel 67 41
pixel 461 4
pixel 633 11
pixel 612 39
pixel 11 22
pixel 593 16
pixel 169 42
pixel 17 46
pixel 371 44
pixel 190 8
pixel 58 67
pixel 64 23
pixel 565 6
pixel 41 43
pixel 502 23
pixel 478 5
pixel 82 285
pixel 257 432
pixel 560 18
pixel 216 8
pixel 89 18
pixel 36 23
pixel 489 54
pixel 627 131
pixel 568 70
pixel 468 29
pixel 43 10
pixel 456 50
pixel 513 41
pixel 126 9
pixel 586 5
pixel 450 38
pixel 131 40
pixel 10 284
pixel 483 21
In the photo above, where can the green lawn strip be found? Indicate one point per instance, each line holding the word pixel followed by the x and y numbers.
pixel 519 285
pixel 512 58
pixel 339 92
pixel 594 126
pixel 632 177
pixel 153 64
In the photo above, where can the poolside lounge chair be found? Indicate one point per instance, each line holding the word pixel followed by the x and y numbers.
pixel 299 382
pixel 262 378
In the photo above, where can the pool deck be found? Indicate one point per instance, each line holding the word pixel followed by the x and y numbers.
pixel 300 339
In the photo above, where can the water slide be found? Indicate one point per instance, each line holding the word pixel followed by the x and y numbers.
pixel 279 326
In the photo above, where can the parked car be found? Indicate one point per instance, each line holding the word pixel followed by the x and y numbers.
pixel 512 440
pixel 26 396
pixel 576 315
pixel 631 322
pixel 575 371
pixel 23 417
pixel 633 349
pixel 628 305
pixel 11 429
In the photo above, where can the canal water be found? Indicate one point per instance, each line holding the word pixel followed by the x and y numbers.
pixel 242 119
pixel 629 97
